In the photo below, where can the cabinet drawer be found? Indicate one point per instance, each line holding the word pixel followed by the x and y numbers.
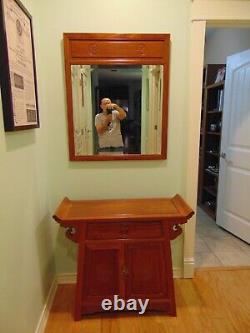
pixel 124 230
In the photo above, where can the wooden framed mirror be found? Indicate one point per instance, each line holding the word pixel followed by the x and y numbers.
pixel 117 96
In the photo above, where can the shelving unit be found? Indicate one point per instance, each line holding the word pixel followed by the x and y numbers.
pixel 210 138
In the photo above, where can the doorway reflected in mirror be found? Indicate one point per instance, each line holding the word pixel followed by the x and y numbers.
pixel 133 90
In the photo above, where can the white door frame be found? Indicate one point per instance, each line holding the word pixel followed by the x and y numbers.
pixel 231 13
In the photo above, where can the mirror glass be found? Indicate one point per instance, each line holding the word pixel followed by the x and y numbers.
pixel 117 109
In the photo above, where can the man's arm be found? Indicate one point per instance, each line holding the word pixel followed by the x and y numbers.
pixel 122 114
pixel 101 127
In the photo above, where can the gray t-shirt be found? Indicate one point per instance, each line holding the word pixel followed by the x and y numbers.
pixel 112 136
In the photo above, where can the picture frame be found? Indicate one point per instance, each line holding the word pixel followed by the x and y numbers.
pixel 17 67
pixel 220 75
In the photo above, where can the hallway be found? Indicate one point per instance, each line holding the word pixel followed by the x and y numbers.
pixel 217 247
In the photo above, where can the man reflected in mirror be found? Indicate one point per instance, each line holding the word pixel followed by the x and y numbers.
pixel 108 127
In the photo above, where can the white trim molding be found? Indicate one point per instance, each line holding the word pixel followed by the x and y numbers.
pixel 177 272
pixel 47 307
pixel 66 278
pixel 197 42
pixel 220 10
pixel 189 265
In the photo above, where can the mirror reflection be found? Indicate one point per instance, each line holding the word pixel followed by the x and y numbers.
pixel 117 109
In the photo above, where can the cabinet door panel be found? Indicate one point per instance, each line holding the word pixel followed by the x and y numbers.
pixel 102 271
pixel 146 270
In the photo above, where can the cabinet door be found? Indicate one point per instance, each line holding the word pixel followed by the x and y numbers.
pixel 102 272
pixel 146 271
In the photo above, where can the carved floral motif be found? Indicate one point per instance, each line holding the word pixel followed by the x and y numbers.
pixel 141 48
pixel 93 49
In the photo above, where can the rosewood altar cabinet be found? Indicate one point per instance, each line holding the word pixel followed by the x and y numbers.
pixel 123 249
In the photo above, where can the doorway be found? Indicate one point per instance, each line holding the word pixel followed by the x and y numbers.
pixel 214 246
pixel 123 85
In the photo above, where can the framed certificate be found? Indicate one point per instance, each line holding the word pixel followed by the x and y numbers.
pixel 17 67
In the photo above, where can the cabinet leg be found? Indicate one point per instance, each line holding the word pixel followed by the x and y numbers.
pixel 172 305
pixel 172 309
pixel 169 272
pixel 79 283
pixel 77 314
pixel 78 308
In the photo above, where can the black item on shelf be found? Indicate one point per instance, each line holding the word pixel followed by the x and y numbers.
pixel 210 204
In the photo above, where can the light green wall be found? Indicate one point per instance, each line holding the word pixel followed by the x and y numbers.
pixel 35 172
pixel 112 179
pixel 26 247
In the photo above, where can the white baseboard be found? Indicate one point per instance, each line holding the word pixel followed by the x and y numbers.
pixel 177 272
pixel 189 265
pixel 46 309
pixel 66 278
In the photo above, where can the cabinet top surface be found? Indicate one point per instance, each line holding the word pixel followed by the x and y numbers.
pixel 123 209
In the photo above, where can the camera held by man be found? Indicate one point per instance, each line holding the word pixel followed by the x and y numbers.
pixel 109 111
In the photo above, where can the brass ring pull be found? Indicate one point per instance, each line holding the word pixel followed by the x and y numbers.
pixel 125 271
